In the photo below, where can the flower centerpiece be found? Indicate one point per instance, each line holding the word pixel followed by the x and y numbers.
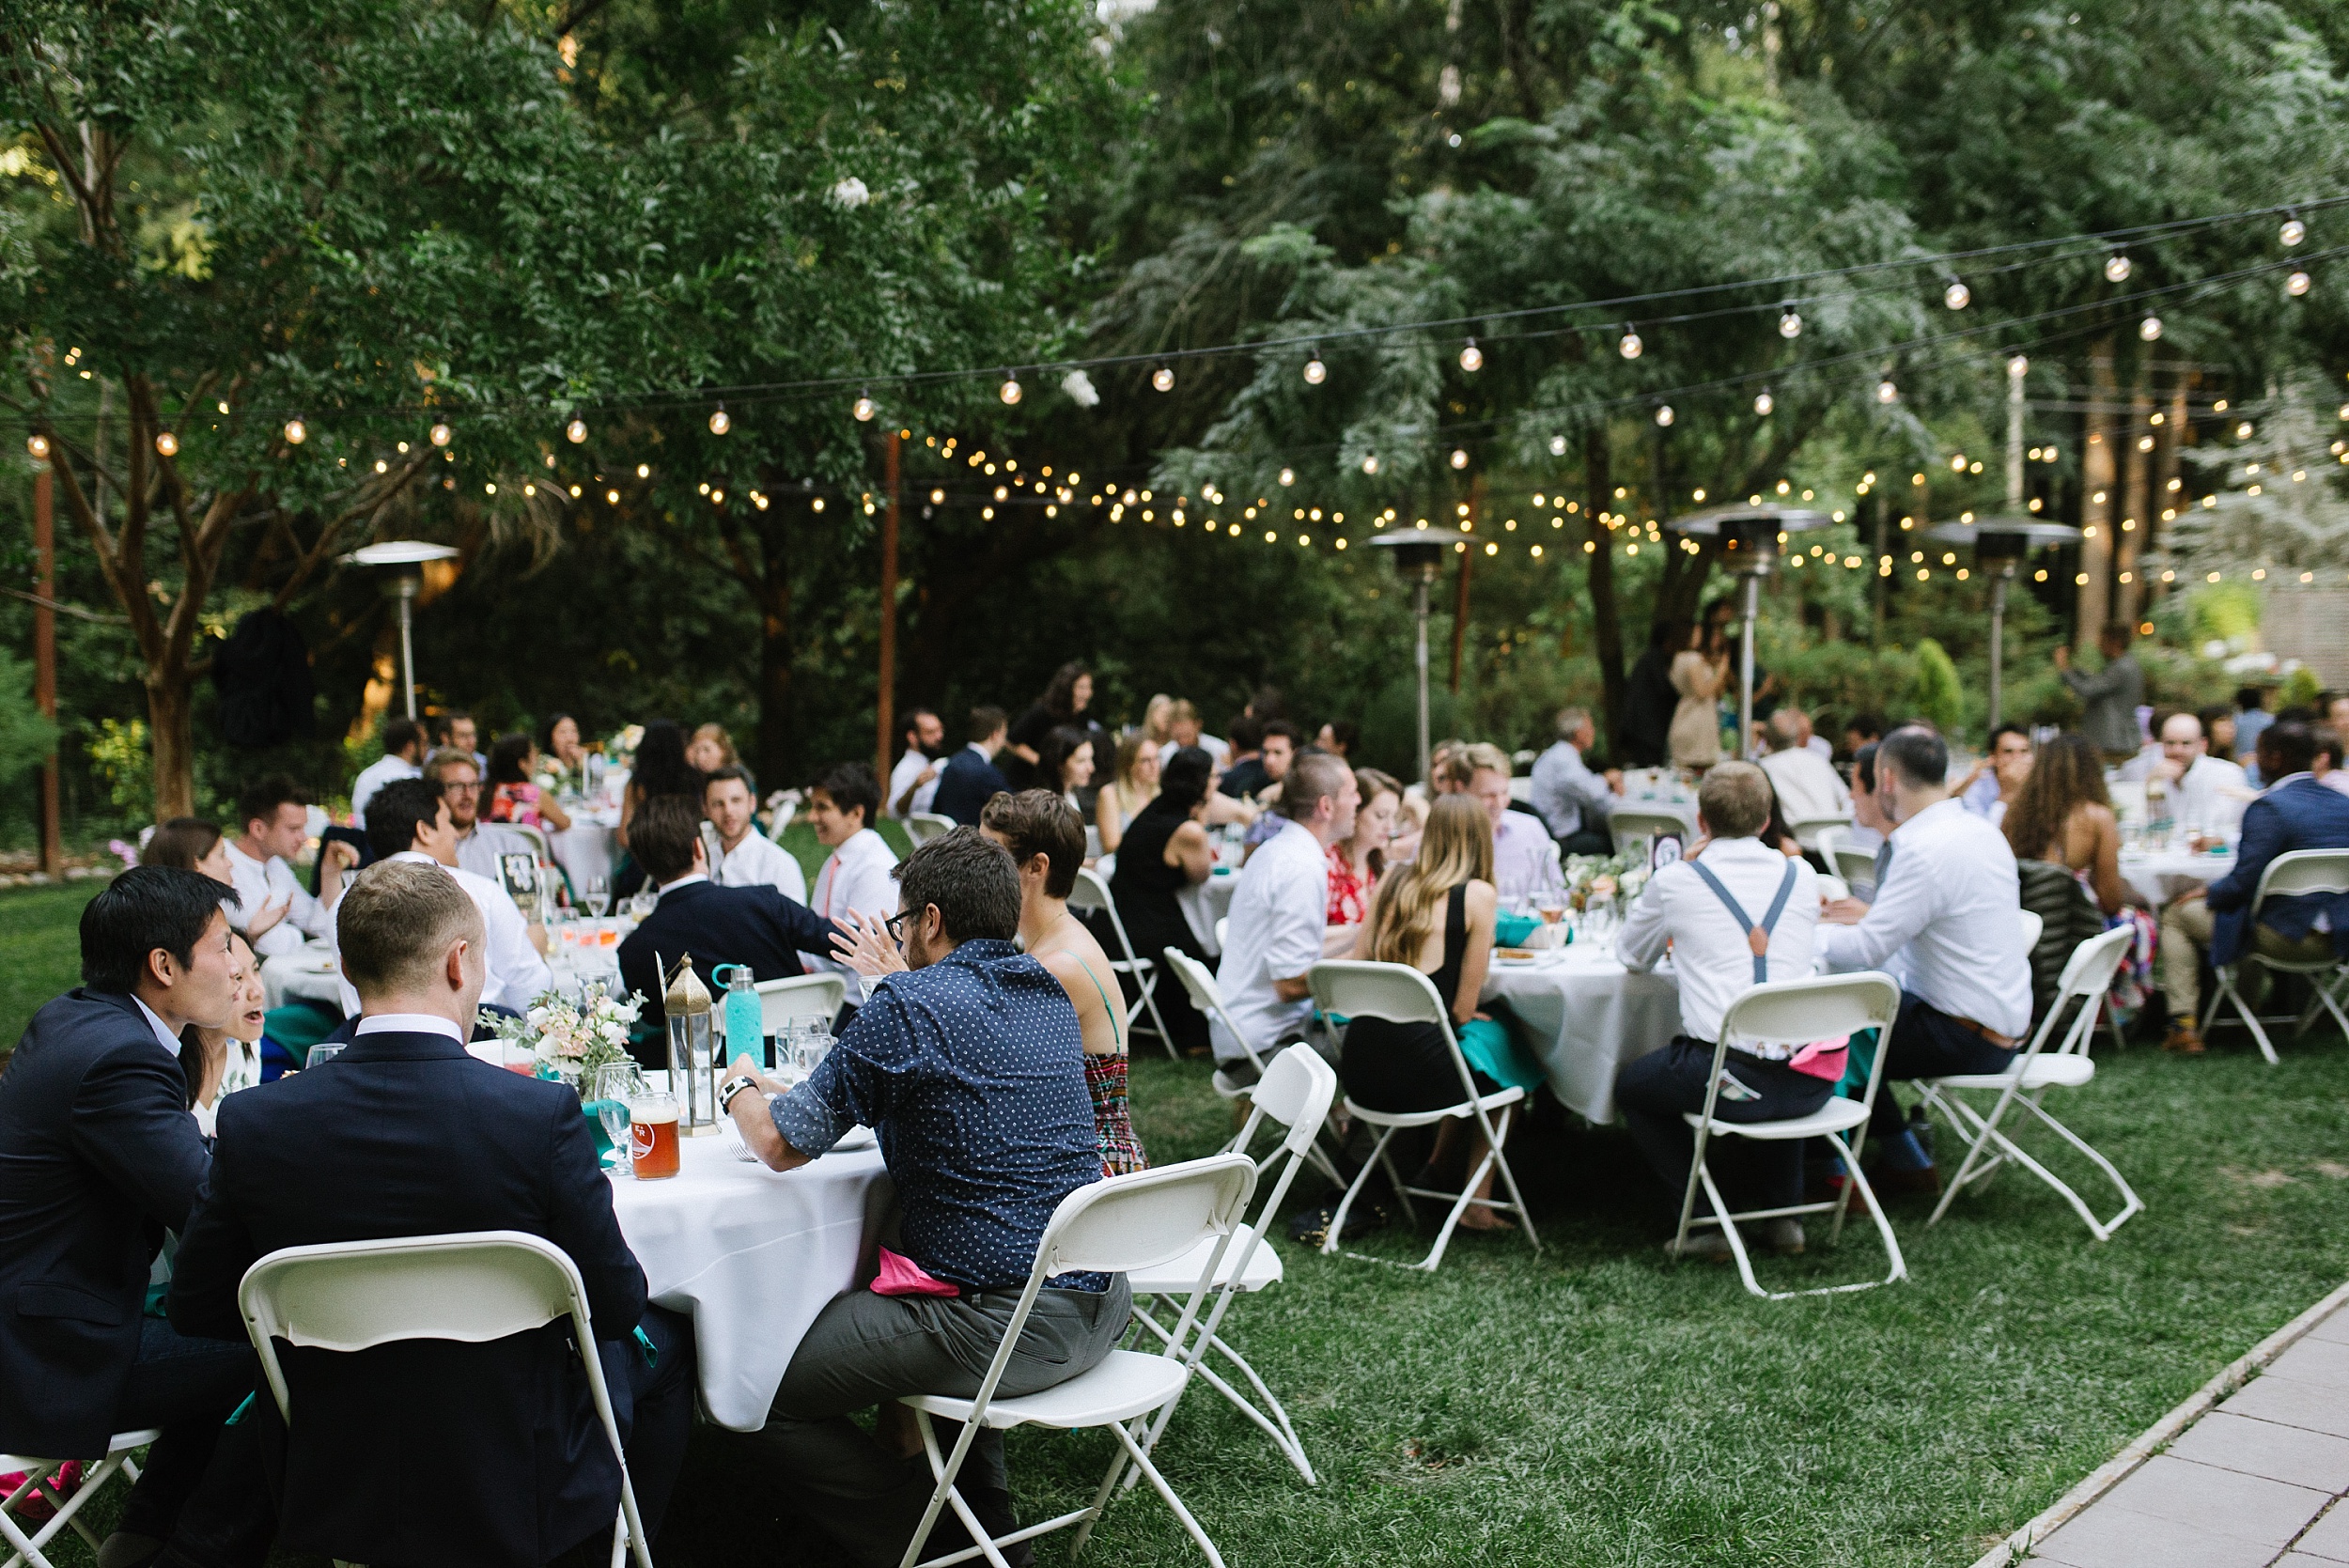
pixel 571 1039
pixel 620 751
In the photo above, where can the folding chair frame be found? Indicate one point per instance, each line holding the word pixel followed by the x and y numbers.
pixel 1198 982
pixel 23 1549
pixel 1096 894
pixel 2304 870
pixel 2087 976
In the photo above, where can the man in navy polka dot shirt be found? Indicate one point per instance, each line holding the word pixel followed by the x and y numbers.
pixel 967 1063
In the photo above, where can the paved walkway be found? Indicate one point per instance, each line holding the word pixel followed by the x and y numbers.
pixel 2262 1478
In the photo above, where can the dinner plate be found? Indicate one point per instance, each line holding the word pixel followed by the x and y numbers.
pixel 1515 955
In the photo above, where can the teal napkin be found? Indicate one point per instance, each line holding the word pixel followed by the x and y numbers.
pixel 1512 930
pixel 607 1155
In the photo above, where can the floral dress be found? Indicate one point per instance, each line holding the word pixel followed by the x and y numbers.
pixel 515 802
pixel 1349 891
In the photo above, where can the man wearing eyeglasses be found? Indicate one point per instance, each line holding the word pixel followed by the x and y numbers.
pixel 479 843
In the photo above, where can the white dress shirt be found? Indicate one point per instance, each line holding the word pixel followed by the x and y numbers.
pixel 515 975
pixel 1951 905
pixel 1567 794
pixel 1820 747
pixel 1525 856
pixel 410 1023
pixel 258 883
pixel 901 779
pixel 1217 750
pixel 1806 785
pixel 2212 795
pixel 854 879
pixel 1279 912
pixel 477 851
pixel 1711 953
pixel 760 861
pixel 383 771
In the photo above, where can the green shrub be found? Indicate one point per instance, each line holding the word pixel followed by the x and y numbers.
pixel 1935 692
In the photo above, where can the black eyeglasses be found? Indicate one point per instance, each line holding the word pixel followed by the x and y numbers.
pixel 895 925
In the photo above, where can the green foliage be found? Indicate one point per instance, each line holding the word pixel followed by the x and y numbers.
pixel 2301 689
pixel 27 737
pixel 119 754
pixel 1934 691
pixel 2227 613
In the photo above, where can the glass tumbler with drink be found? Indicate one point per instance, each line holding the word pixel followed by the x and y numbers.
pixel 652 1137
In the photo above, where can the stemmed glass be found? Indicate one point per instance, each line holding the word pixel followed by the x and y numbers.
pixel 613 1086
pixel 598 895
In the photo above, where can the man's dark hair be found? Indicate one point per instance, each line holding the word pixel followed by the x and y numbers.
pixel 662 834
pixel 2023 730
pixel 2212 715
pixel 1184 776
pixel 398 812
pixel 1283 728
pixel 146 907
pixel 1918 756
pixel 970 877
pixel 852 787
pixel 444 724
pixel 2251 699
pixel 2286 747
pixel 1863 766
pixel 1247 733
pixel 1347 734
pixel 1865 725
pixel 734 770
pixel 912 725
pixel 2298 713
pixel 986 720
pixel 400 734
pixel 1038 822
pixel 264 795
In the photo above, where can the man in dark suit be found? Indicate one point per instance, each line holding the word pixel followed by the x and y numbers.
pixel 101 1158
pixel 754 925
pixel 971 778
pixel 430 1450
pixel 2296 813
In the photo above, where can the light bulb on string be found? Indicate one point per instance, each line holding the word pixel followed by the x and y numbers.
pixel 1288 477
pixel 1472 358
pixel 2297 284
pixel 2150 328
pixel 1557 446
pixel 1009 391
pixel 864 408
pixel 1315 372
pixel 718 423
pixel 441 435
pixel 1887 391
pixel 38 444
pixel 2292 232
pixel 1789 322
pixel 166 444
pixel 2018 368
pixel 1162 379
pixel 2117 268
pixel 576 431
pixel 1664 414
pixel 1459 457
pixel 296 432
pixel 1369 462
pixel 1957 296
pixel 1764 403
pixel 1629 346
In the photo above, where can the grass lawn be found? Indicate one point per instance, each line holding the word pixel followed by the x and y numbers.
pixel 1594 1406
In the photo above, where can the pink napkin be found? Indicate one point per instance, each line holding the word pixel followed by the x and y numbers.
pixel 901 1276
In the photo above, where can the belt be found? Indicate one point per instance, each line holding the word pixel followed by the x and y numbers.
pixel 2003 1041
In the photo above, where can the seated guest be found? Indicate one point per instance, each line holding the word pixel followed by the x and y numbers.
pixel 1165 853
pixel 753 925
pixel 2294 812
pixel 273 909
pixel 1358 861
pixel 1265 764
pixel 660 768
pixel 1949 908
pixel 971 1067
pixel 1861 729
pixel 971 777
pixel 564 749
pixel 1065 764
pixel 103 1159
pixel 858 877
pixel 409 822
pixel 2207 794
pixel 1339 736
pixel 1704 907
pixel 1990 790
pixel 751 859
pixel 2251 719
pixel 514 795
pixel 711 749
pixel 2068 850
pixel 2219 729
pixel 479 845
pixel 913 782
pixel 1135 786
pixel 403 751
pixel 455 731
pixel 190 844
pixel 1806 783
pixel 1525 858
pixel 1571 801
pixel 1869 823
pixel 221 1061
pixel 406 1135
pixel 1437 916
pixel 1183 729
pixel 1280 920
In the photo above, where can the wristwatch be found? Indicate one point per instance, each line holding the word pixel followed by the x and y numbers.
pixel 732 1087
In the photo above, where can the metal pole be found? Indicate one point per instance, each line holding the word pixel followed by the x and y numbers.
pixel 1419 613
pixel 2016 368
pixel 1998 581
pixel 1752 580
pixel 45 663
pixel 407 644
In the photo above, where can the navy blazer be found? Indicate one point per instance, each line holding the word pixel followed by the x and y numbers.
pixel 965 785
pixel 753 925
pixel 2301 813
pixel 422 1450
pixel 97 1158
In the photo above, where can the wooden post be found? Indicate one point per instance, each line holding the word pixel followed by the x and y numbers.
pixel 45 663
pixel 886 704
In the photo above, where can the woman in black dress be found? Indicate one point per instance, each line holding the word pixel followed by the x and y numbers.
pixel 1063 701
pixel 1165 851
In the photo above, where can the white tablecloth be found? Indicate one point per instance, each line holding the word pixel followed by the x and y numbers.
pixel 588 847
pixel 307 973
pixel 753 1256
pixel 1203 903
pixel 1591 1016
pixel 2158 875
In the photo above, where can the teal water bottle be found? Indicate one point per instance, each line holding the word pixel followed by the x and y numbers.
pixel 745 1028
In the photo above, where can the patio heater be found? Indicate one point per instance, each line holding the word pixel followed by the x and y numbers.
pixel 1419 554
pixel 2000 546
pixel 1751 537
pixel 402 560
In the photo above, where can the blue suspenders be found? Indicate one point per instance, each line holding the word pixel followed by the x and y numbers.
pixel 1757 937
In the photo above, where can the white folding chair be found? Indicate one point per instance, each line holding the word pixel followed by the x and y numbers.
pixel 784 806
pixel 1351 988
pixel 535 837
pixel 24 1549
pixel 1630 822
pixel 1818 833
pixel 1091 893
pixel 1122 1225
pixel 1198 983
pixel 1794 1012
pixel 2288 876
pixel 800 996
pixel 2034 925
pixel 924 826
pixel 471 1286
pixel 1856 867
pixel 2087 976
pixel 1295 1092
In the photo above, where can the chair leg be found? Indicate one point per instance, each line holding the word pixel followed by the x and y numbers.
pixel 1509 1180
pixel 943 1496
pixel 1982 1131
pixel 1158 1482
pixel 27 1549
pixel 1729 1232
pixel 1385 1161
pixel 2130 1203
pixel 1346 1205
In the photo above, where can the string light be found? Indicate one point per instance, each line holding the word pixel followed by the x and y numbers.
pixel 1459 457
pixel 1009 391
pixel 1161 379
pixel 1887 391
pixel 1315 372
pixel 2117 268
pixel 2292 232
pixel 1629 345
pixel 1764 403
pixel 718 423
pixel 576 431
pixel 296 432
pixel 2297 284
pixel 1473 358
pixel 2150 328
pixel 166 442
pixel 1558 443
pixel 2018 368
pixel 864 408
pixel 1664 414
pixel 1789 323
pixel 441 435
pixel 1369 462
pixel 1957 296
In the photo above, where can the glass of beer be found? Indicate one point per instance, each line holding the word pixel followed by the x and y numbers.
pixel 652 1136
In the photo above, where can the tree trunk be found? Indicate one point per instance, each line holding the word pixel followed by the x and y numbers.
pixel 171 737
pixel 2097 509
pixel 775 748
pixel 1606 615
pixel 2135 496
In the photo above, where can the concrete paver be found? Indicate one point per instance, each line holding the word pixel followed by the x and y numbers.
pixel 2289 1454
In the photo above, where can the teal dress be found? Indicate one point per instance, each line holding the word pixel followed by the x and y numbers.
pixel 1402 1068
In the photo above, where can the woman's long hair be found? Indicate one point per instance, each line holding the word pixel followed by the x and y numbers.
pixel 1132 794
pixel 181 843
pixel 1052 756
pixel 509 759
pixel 1184 778
pixel 1373 783
pixel 661 765
pixel 1060 697
pixel 2066 774
pixel 1456 848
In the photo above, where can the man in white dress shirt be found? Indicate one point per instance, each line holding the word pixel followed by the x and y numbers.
pixel 403 752
pixel 1806 783
pixel 2207 793
pixel 857 877
pixel 273 910
pixel 913 782
pixel 409 820
pixel 1571 800
pixel 1280 916
pixel 479 843
pixel 1525 856
pixel 749 858
pixel 1948 905
pixel 1706 909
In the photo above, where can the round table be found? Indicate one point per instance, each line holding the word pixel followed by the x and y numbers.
pixel 753 1256
pixel 589 846
pixel 1205 903
pixel 1590 1015
pixel 2158 875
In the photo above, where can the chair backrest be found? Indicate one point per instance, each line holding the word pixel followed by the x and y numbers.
pixel 1796 1011
pixel 1834 887
pixel 1296 1091
pixel 471 1286
pixel 2087 974
pixel 1855 866
pixel 1093 843
pixel 1823 842
pixel 2304 870
pixel 1355 988
pixel 1815 833
pixel 786 809
pixel 2034 924
pixel 1199 984
pixel 1642 822
pixel 924 826
pixel 1091 891
pixel 535 837
pixel 1222 932
pixel 1150 1217
pixel 800 996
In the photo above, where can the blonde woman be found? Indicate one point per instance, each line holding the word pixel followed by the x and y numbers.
pixel 1134 785
pixel 1437 916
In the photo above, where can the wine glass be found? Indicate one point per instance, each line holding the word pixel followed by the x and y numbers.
pixel 613 1086
pixel 598 895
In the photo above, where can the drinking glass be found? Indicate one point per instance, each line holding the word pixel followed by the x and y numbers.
pixel 652 1139
pixel 598 895
pixel 612 1086
pixel 324 1051
pixel 812 1048
pixel 517 1056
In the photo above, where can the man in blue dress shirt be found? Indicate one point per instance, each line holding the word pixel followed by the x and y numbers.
pixel 967 1063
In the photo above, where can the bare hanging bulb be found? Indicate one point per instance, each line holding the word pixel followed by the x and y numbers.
pixel 1009 391
pixel 1557 446
pixel 1764 403
pixel 718 423
pixel 1472 358
pixel 864 408
pixel 1369 462
pixel 38 444
pixel 2117 268
pixel 2018 368
pixel 1887 391
pixel 2292 232
pixel 1664 414
pixel 1459 457
pixel 1162 379
pixel 2297 284
pixel 2150 328
pixel 166 444
pixel 296 432
pixel 1315 372
pixel 1957 296
pixel 576 431
pixel 1789 322
pixel 1288 477
pixel 1629 346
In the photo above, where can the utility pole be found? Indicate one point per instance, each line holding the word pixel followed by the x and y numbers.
pixel 45 662
pixel 885 704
